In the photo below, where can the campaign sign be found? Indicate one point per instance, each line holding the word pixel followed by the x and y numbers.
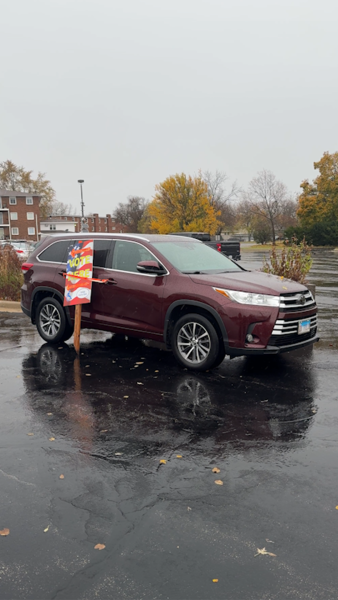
pixel 79 273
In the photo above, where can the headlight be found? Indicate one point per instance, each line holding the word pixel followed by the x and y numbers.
pixel 249 298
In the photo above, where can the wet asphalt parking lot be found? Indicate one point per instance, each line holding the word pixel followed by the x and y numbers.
pixel 80 465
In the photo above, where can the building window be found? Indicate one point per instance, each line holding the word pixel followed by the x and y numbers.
pixel 15 230
pixel 30 216
pixel 113 228
pixel 14 216
pixel 12 200
pixel 106 228
pixel 52 227
pixel 29 200
pixel 92 228
pixel 31 230
pixel 92 220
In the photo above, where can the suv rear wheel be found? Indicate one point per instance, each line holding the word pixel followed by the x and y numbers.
pixel 51 321
pixel 195 343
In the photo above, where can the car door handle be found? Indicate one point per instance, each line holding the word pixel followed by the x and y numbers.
pixel 62 273
pixel 111 281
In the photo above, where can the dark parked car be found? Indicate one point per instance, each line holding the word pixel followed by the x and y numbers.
pixel 231 248
pixel 177 290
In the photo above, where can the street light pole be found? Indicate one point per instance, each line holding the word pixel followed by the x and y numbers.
pixel 83 224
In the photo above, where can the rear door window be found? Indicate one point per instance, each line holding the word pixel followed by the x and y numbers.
pixel 101 252
pixel 56 252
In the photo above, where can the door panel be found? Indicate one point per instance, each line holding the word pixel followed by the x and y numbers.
pixel 130 301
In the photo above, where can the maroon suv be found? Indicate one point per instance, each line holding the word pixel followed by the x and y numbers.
pixel 172 289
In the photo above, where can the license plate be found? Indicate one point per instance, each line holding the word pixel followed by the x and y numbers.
pixel 304 326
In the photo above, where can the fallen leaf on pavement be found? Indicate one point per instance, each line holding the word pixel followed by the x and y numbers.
pixel 52 439
pixel 49 414
pixel 4 532
pixel 140 383
pixel 118 453
pixel 270 541
pixel 99 547
pixel 219 482
pixel 162 461
pixel 215 581
pixel 103 430
pixel 30 433
pixel 46 529
pixel 125 396
pixel 263 551
pixel 216 470
pixel 178 455
pixel 88 375
pixel 139 363
pixel 61 477
pixel 189 508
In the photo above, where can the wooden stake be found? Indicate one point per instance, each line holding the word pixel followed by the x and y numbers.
pixel 77 327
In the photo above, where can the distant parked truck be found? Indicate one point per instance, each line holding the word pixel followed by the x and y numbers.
pixel 230 249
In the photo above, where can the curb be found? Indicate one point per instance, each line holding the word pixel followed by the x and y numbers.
pixel 10 306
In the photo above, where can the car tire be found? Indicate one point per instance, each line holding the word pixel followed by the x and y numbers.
pixel 51 321
pixel 220 356
pixel 195 343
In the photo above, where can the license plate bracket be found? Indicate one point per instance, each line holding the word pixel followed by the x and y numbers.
pixel 304 326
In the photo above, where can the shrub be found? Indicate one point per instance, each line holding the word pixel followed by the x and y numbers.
pixel 322 233
pixel 262 234
pixel 11 278
pixel 292 262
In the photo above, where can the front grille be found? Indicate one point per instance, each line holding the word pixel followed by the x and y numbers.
pixel 300 301
pixel 285 332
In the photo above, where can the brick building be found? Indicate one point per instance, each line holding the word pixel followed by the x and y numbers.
pixel 71 224
pixel 19 215
pixel 20 219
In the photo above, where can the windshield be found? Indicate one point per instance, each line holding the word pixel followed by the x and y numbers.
pixel 195 257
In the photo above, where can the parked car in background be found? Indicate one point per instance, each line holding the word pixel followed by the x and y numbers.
pixel 21 247
pixel 172 289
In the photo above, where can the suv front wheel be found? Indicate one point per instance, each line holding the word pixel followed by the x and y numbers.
pixel 195 343
pixel 51 321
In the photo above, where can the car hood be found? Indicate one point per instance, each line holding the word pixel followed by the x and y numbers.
pixel 250 281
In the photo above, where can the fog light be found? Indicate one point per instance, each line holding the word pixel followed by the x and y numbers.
pixel 249 338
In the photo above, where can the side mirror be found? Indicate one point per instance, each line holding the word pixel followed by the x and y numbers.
pixel 151 266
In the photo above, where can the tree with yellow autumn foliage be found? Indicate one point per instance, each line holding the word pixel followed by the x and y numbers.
pixel 318 201
pixel 182 203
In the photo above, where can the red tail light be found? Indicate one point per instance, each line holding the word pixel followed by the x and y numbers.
pixel 26 266
pixel 219 247
pixel 20 251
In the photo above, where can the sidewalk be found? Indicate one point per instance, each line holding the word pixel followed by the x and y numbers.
pixel 9 306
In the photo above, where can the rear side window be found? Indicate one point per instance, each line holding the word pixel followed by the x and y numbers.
pixel 101 251
pixel 56 252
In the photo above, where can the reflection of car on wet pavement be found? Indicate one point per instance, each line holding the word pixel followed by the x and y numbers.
pixel 172 289
pixel 177 406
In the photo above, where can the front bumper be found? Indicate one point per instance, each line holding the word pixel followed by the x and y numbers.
pixel 232 352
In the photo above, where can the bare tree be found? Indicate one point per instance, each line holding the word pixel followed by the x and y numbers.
pixel 220 197
pixel 245 217
pixel 267 198
pixel 60 209
pixel 131 213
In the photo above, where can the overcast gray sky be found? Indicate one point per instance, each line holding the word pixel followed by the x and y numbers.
pixel 123 93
